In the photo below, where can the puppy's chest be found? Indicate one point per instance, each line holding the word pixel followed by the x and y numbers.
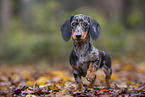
pixel 86 56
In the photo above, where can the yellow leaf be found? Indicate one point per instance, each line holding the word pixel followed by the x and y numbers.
pixel 142 69
pixel 55 88
pixel 115 62
pixel 100 78
pixel 63 75
pixel 143 88
pixel 27 77
pixel 61 82
pixel 66 78
pixel 41 80
pixel 30 82
pixel 59 73
pixel 49 76
pixel 13 76
pixel 129 82
pixel 136 85
pixel 114 77
pixel 127 67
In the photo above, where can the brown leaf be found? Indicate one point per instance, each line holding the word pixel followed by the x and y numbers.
pixel 55 88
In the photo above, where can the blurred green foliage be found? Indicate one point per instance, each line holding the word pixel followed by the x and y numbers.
pixel 41 38
pixel 135 19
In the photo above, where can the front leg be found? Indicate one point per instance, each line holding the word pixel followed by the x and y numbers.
pixel 91 72
pixel 78 81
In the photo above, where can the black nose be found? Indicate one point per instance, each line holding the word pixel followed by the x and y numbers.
pixel 78 36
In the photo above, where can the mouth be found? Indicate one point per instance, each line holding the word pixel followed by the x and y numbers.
pixel 79 40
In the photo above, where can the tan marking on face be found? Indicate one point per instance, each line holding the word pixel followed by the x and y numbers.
pixel 73 35
pixel 83 22
pixel 75 22
pixel 84 34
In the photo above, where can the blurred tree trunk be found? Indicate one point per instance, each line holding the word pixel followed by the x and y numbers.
pixel 5 15
pixel 128 6
pixel 24 11
pixel 143 10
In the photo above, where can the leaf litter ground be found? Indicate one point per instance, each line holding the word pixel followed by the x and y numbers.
pixel 127 80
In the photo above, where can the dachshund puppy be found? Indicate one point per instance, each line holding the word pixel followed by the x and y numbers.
pixel 85 59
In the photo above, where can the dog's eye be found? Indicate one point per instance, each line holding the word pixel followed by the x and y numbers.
pixel 85 24
pixel 73 24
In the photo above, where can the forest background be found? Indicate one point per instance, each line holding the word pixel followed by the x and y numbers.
pixel 30 34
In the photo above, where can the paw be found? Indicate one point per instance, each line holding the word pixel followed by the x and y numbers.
pixel 108 87
pixel 79 87
pixel 90 76
pixel 91 84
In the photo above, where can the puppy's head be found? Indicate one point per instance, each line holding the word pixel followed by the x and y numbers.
pixel 79 26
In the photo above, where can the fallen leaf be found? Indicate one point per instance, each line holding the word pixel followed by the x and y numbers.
pixel 30 82
pixel 100 78
pixel 55 88
pixel 127 67
pixel 63 75
pixel 38 91
pixel 129 82
pixel 116 62
pixel 114 77
pixel 60 82
pixel 136 85
pixel 118 86
pixel 41 80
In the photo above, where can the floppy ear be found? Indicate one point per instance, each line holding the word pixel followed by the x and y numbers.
pixel 66 29
pixel 95 29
